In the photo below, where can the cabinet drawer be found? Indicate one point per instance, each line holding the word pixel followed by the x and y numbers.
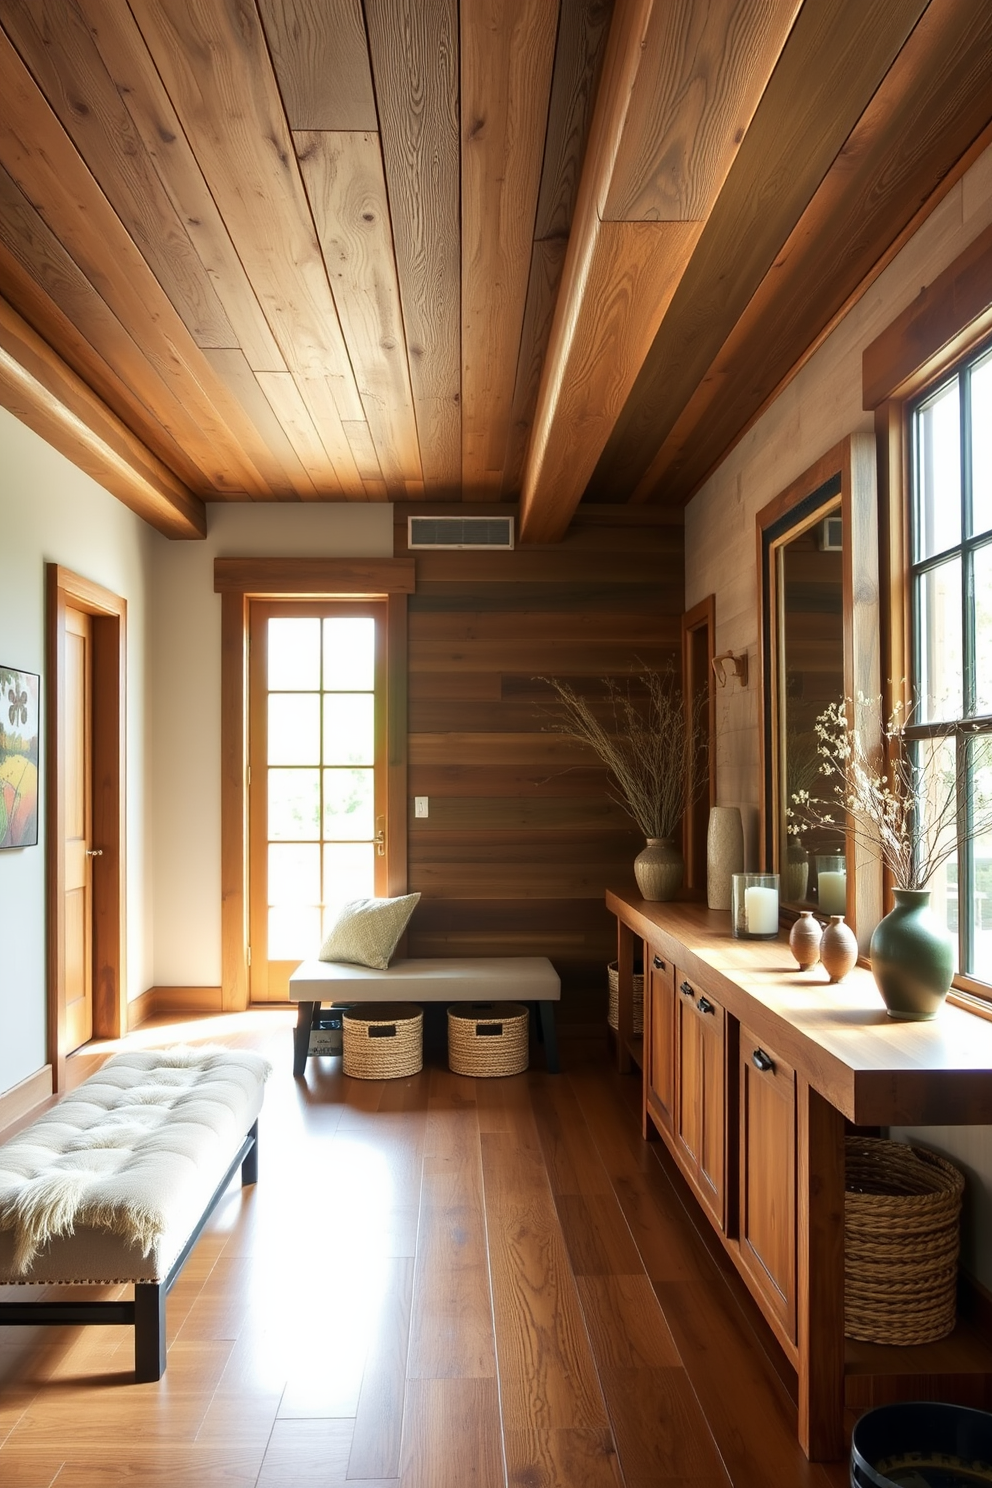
pixel 659 1038
pixel 701 1092
pixel 768 1176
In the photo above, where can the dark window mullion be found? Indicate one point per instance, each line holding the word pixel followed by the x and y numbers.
pixel 967 555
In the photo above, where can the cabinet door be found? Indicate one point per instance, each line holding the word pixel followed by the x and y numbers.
pixel 660 1039
pixel 700 1093
pixel 768 1176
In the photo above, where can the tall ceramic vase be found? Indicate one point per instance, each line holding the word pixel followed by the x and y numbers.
pixel 912 958
pixel 724 854
pixel 658 869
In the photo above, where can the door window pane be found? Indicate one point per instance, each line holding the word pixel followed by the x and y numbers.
pixel 294 728
pixel 981 447
pixel 294 932
pixel 294 655
pixel 939 475
pixel 349 804
pixel 294 805
pixel 349 655
pixel 938 603
pixel 294 873
pixel 983 629
pixel 349 728
pixel 349 873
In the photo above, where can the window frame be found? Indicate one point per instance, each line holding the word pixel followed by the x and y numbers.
pixel 946 326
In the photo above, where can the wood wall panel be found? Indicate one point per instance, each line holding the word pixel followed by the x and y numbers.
pixel 522 836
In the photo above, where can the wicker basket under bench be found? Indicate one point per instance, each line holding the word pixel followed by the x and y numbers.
pixel 210 1099
pixel 452 979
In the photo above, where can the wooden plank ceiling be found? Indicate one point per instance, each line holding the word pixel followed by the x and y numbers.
pixel 450 250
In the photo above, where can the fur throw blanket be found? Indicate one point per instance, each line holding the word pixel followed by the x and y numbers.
pixel 132 1149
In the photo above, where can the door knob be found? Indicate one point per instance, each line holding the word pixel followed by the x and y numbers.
pixel 94 852
pixel 380 836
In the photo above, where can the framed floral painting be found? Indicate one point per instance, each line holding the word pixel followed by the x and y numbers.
pixel 18 758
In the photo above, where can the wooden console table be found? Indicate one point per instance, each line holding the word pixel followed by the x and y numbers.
pixel 751 1069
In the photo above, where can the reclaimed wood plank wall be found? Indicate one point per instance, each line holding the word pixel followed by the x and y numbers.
pixel 522 838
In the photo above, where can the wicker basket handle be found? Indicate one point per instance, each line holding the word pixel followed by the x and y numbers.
pixel 489 1030
pixel 382 1030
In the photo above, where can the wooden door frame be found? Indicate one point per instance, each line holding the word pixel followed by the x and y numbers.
pixel 63 589
pixel 239 581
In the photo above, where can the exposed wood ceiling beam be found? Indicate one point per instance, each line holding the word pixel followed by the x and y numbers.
pixel 680 85
pixel 888 175
pixel 39 389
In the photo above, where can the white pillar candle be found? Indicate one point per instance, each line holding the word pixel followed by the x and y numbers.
pixel 833 892
pixel 761 911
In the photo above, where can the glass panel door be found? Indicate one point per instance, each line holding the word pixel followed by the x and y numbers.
pixel 317 788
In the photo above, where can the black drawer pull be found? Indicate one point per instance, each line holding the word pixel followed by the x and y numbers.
pixel 762 1061
pixel 686 990
pixel 705 1006
pixel 659 965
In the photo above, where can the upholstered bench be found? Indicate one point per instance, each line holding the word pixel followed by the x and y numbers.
pixel 116 1182
pixel 454 979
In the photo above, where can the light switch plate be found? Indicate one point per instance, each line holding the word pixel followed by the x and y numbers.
pixel 420 805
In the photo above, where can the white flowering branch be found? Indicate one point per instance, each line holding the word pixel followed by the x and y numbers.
pixel 902 806
pixel 649 748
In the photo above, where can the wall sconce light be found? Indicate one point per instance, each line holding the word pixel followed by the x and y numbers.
pixel 737 667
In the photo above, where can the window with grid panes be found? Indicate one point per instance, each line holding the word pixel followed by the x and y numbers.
pixel 951 605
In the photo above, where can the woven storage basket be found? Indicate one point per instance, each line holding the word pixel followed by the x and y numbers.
pixel 901 1231
pixel 613 1016
pixel 487 1038
pixel 383 1040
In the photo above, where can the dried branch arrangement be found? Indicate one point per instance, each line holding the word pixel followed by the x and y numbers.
pixel 902 802
pixel 646 744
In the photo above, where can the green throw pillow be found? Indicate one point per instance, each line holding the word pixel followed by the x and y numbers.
pixel 367 931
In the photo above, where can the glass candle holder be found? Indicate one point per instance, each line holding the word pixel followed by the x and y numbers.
pixel 754 906
pixel 831 883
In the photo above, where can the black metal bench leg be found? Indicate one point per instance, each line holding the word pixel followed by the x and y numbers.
pixel 301 1038
pixel 549 1037
pixel 149 1330
pixel 249 1168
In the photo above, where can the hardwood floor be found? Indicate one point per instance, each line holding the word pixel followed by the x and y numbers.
pixel 437 1283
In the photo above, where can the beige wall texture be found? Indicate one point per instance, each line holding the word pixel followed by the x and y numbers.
pixel 819 408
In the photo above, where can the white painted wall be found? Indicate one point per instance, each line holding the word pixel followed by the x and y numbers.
pixel 820 407
pixel 186 707
pixel 52 512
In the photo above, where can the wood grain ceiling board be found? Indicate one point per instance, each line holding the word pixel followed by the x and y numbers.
pixel 414 51
pixel 602 331
pixel 122 48
pixel 44 393
pixel 272 452
pixel 507 57
pixel 44 163
pixel 286 402
pixel 336 434
pixel 932 105
pixel 321 59
pixel 582 32
pixel 344 178
pixel 833 61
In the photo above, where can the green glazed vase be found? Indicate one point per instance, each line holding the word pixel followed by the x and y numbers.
pixel 912 958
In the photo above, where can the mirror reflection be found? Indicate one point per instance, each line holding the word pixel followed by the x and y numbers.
pixel 810 587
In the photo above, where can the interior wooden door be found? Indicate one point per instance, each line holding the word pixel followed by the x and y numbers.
pixel 768 1175
pixel 317 796
pixel 78 827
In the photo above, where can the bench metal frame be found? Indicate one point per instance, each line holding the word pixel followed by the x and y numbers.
pixel 146 1314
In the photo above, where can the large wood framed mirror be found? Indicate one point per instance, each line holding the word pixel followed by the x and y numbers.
pixel 818 590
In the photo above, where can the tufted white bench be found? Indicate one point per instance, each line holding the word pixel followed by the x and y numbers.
pixel 448 979
pixel 116 1182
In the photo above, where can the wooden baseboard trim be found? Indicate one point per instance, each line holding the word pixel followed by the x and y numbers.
pixel 159 1001
pixel 23 1099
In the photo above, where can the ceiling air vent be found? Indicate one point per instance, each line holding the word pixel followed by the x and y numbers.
pixel 460 532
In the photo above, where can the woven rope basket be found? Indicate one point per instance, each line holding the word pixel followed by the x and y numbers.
pixel 487 1038
pixel 902 1214
pixel 383 1040
pixel 613 1016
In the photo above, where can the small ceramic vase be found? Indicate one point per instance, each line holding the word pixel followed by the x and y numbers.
pixel 838 948
pixel 658 869
pixel 804 940
pixel 724 854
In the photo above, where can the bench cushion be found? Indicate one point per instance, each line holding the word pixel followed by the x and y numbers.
pixel 446 979
pixel 109 1184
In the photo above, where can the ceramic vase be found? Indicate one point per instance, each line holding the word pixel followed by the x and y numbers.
pixel 795 876
pixel 804 940
pixel 724 854
pixel 912 958
pixel 838 948
pixel 658 869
